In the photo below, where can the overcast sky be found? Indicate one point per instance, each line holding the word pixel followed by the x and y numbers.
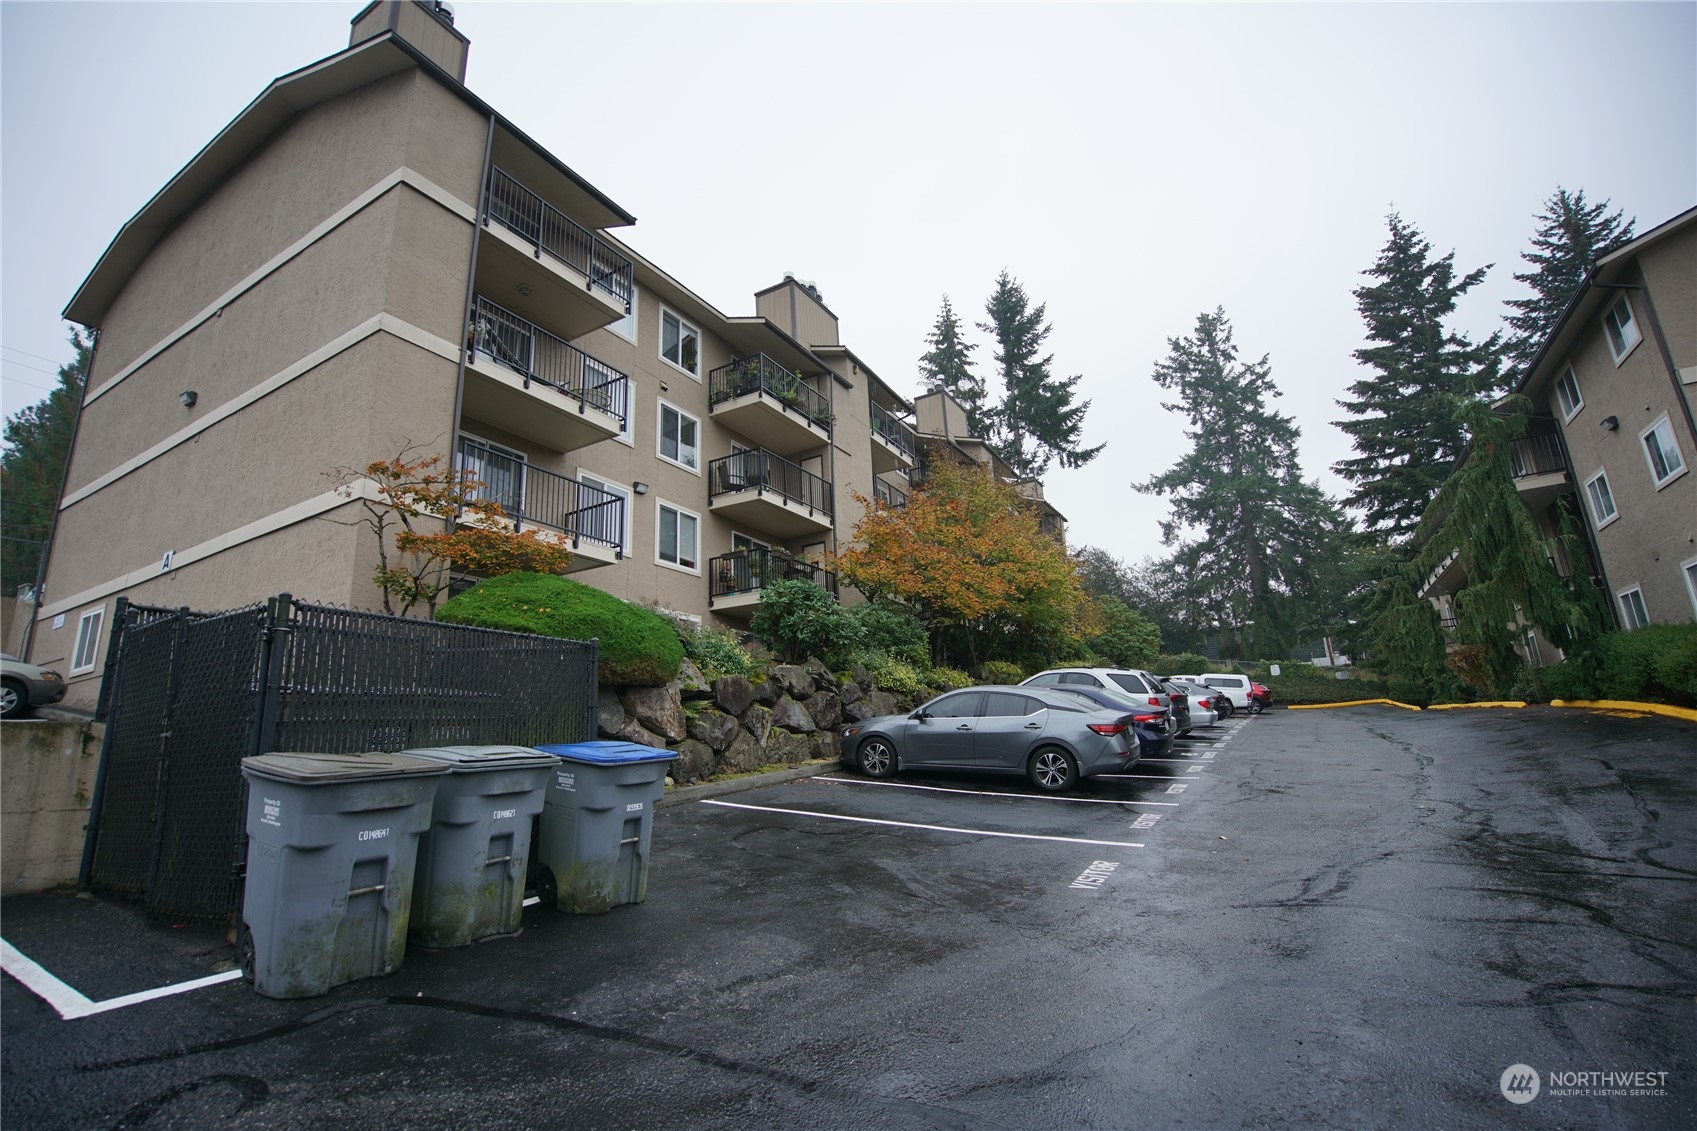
pixel 1132 166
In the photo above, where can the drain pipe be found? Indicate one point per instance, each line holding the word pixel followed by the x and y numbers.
pixel 477 223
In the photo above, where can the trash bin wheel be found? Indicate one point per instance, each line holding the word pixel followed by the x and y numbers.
pixel 548 889
pixel 245 955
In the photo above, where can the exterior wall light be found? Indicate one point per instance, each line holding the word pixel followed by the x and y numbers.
pixel 1610 423
pixel 639 487
pixel 188 397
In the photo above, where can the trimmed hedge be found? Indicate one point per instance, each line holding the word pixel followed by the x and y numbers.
pixel 1653 664
pixel 1001 671
pixel 1307 684
pixel 639 647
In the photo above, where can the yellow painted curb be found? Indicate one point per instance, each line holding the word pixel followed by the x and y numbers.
pixel 1685 713
pixel 1351 703
pixel 1459 706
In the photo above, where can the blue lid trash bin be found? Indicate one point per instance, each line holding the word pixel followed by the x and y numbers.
pixel 332 842
pixel 597 821
pixel 469 884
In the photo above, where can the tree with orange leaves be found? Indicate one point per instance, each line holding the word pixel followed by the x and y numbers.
pixel 966 554
pixel 403 495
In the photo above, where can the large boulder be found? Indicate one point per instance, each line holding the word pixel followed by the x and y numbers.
pixel 883 703
pixel 694 762
pixel 849 691
pixel 829 744
pixel 795 680
pixel 825 709
pixel 609 713
pixel 858 711
pixel 744 754
pixel 733 693
pixel 660 709
pixel 633 731
pixel 769 692
pixel 694 685
pixel 792 716
pixel 757 720
pixel 714 728
pixel 788 748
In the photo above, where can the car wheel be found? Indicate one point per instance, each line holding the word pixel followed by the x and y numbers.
pixel 1255 707
pixel 14 700
pixel 876 758
pixel 1052 770
pixel 547 889
pixel 1227 709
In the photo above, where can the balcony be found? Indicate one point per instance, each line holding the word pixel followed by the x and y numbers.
pixel 533 247
pixel 523 379
pixel 769 493
pixel 888 494
pixel 1538 468
pixel 592 521
pixel 736 579
pixel 895 446
pixel 764 401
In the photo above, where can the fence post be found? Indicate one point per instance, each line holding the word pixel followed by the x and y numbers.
pixel 274 646
pixel 111 687
pixel 120 612
pixel 162 768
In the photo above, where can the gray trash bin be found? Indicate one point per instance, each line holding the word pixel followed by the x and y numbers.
pixel 332 840
pixel 596 824
pixel 471 864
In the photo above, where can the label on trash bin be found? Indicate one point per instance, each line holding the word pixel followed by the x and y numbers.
pixel 501 814
pixel 373 834
pixel 634 807
pixel 273 813
pixel 566 780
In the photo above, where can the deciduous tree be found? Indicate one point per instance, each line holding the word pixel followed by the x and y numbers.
pixel 1403 416
pixel 1571 236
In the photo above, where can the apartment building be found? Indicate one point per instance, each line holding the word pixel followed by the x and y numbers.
pixel 1612 431
pixel 370 260
pixel 945 434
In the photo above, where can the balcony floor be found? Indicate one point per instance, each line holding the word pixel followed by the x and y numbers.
pixel 496 394
pixel 761 418
pixel 560 299
pixel 771 514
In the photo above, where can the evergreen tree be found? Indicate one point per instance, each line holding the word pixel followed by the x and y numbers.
pixel 1408 436
pixel 947 365
pixel 38 442
pixel 1036 420
pixel 1251 536
pixel 1572 235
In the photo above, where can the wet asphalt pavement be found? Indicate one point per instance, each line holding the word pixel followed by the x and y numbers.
pixel 1351 918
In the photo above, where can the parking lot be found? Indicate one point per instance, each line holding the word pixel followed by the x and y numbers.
pixel 1353 918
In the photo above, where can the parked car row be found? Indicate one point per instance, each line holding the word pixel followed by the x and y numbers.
pixel 1055 728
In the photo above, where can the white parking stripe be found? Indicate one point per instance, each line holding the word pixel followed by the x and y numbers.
pixel 71 1004
pixel 931 828
pixel 991 793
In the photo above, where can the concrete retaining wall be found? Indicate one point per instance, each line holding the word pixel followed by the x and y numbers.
pixel 46 778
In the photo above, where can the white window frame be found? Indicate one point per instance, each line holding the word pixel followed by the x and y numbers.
pixel 1688 571
pixel 1572 379
pixel 500 449
pixel 1613 327
pixel 615 488
pixel 660 507
pixel 660 345
pixel 660 407
pixel 1598 521
pixel 1673 437
pixel 1626 616
pixel 628 320
pixel 88 640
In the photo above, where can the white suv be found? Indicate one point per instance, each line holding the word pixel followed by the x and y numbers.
pixel 1234 687
pixel 1133 681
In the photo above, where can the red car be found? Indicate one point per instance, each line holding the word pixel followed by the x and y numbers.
pixel 1260 695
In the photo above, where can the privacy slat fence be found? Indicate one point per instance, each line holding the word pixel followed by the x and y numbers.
pixel 188 695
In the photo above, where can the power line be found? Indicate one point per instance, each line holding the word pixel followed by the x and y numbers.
pixel 38 357
pixel 32 368
pixel 30 384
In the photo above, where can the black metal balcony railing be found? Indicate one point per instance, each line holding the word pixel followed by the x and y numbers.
pixel 888 494
pixel 760 374
pixel 1447 624
pixel 549 230
pixel 894 430
pixel 760 470
pixel 535 497
pixel 537 355
pixel 1537 454
pixel 748 571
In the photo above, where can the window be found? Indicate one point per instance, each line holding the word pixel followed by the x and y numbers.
pixel 1688 570
pixel 1079 679
pixel 962 706
pixel 1007 705
pixel 680 343
pixel 1621 329
pixel 626 326
pixel 500 470
pixel 1132 682
pixel 600 523
pixel 1567 395
pixel 679 437
pixel 88 641
pixel 1632 614
pixel 1602 500
pixel 676 539
pixel 1661 450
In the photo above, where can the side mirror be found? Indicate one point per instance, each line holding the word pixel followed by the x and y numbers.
pixel 920 714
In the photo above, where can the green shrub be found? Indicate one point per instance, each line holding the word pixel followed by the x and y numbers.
pixel 1657 663
pixel 948 679
pixel 1304 683
pixel 798 620
pixel 1182 663
pixel 716 651
pixel 1000 671
pixel 900 678
pixel 639 648
pixel 892 630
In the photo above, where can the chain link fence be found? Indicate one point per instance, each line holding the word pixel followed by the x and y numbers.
pixel 188 695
